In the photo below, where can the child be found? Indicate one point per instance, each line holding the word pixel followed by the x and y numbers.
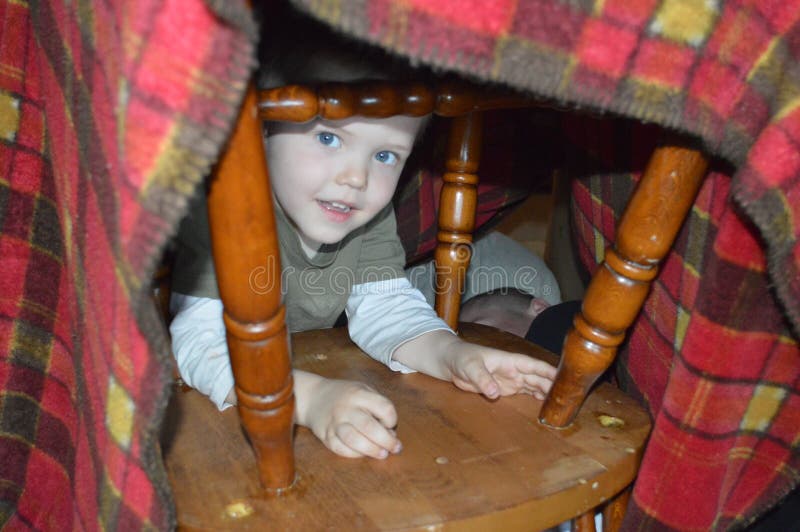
pixel 332 183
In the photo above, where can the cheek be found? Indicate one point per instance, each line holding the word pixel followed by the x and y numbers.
pixel 382 187
pixel 278 167
pixel 381 195
pixel 300 171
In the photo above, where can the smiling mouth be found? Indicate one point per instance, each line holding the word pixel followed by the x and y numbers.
pixel 335 206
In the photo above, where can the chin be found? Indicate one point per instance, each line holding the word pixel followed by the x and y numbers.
pixel 328 237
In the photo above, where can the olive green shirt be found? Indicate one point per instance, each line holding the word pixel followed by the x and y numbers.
pixel 315 290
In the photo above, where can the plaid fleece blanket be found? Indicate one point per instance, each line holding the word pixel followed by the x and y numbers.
pixel 714 353
pixel 110 113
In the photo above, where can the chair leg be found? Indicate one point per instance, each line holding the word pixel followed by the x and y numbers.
pixel 248 274
pixel 614 511
pixel 584 522
pixel 457 204
pixel 618 288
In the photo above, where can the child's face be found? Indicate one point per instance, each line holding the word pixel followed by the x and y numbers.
pixel 331 177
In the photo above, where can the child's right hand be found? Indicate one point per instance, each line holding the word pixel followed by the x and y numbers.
pixel 350 417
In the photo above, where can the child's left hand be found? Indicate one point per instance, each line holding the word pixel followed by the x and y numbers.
pixel 495 373
pixel 476 368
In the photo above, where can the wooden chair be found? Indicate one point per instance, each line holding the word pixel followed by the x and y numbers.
pixel 467 463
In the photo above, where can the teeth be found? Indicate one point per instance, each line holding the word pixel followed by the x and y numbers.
pixel 338 206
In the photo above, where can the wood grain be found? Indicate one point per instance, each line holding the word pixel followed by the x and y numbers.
pixel 614 511
pixel 380 99
pixel 247 262
pixel 457 206
pixel 467 463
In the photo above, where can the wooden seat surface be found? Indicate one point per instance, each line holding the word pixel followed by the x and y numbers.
pixel 466 460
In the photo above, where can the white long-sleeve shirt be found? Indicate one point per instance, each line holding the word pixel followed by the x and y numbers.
pixel 381 315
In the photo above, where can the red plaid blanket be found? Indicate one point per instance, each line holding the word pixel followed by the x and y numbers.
pixel 715 352
pixel 110 113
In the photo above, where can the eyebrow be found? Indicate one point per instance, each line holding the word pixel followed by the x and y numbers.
pixel 398 147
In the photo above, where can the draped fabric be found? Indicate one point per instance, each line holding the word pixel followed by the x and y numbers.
pixel 110 114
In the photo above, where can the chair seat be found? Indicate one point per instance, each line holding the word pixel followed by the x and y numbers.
pixel 466 461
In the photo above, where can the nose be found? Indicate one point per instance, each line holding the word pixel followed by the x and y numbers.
pixel 353 175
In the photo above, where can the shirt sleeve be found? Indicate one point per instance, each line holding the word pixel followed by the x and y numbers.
pixel 385 314
pixel 199 346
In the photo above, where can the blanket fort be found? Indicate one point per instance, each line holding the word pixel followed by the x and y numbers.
pixel 112 112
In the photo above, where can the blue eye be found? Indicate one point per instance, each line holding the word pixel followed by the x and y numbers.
pixel 329 139
pixel 386 157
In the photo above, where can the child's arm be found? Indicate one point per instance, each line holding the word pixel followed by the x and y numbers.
pixel 350 418
pixel 392 322
pixel 200 348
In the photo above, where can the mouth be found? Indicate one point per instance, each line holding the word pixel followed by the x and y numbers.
pixel 336 206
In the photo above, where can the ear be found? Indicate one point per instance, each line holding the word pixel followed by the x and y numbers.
pixel 536 306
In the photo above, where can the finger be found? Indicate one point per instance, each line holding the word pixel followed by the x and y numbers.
pixel 530 365
pixel 482 380
pixel 356 444
pixel 336 445
pixel 365 434
pixel 464 384
pixel 373 429
pixel 498 360
pixel 536 383
pixel 379 407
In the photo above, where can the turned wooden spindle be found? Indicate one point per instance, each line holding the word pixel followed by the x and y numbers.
pixel 584 523
pixel 337 101
pixel 380 99
pixel 247 262
pixel 456 98
pixel 614 512
pixel 618 288
pixel 457 205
